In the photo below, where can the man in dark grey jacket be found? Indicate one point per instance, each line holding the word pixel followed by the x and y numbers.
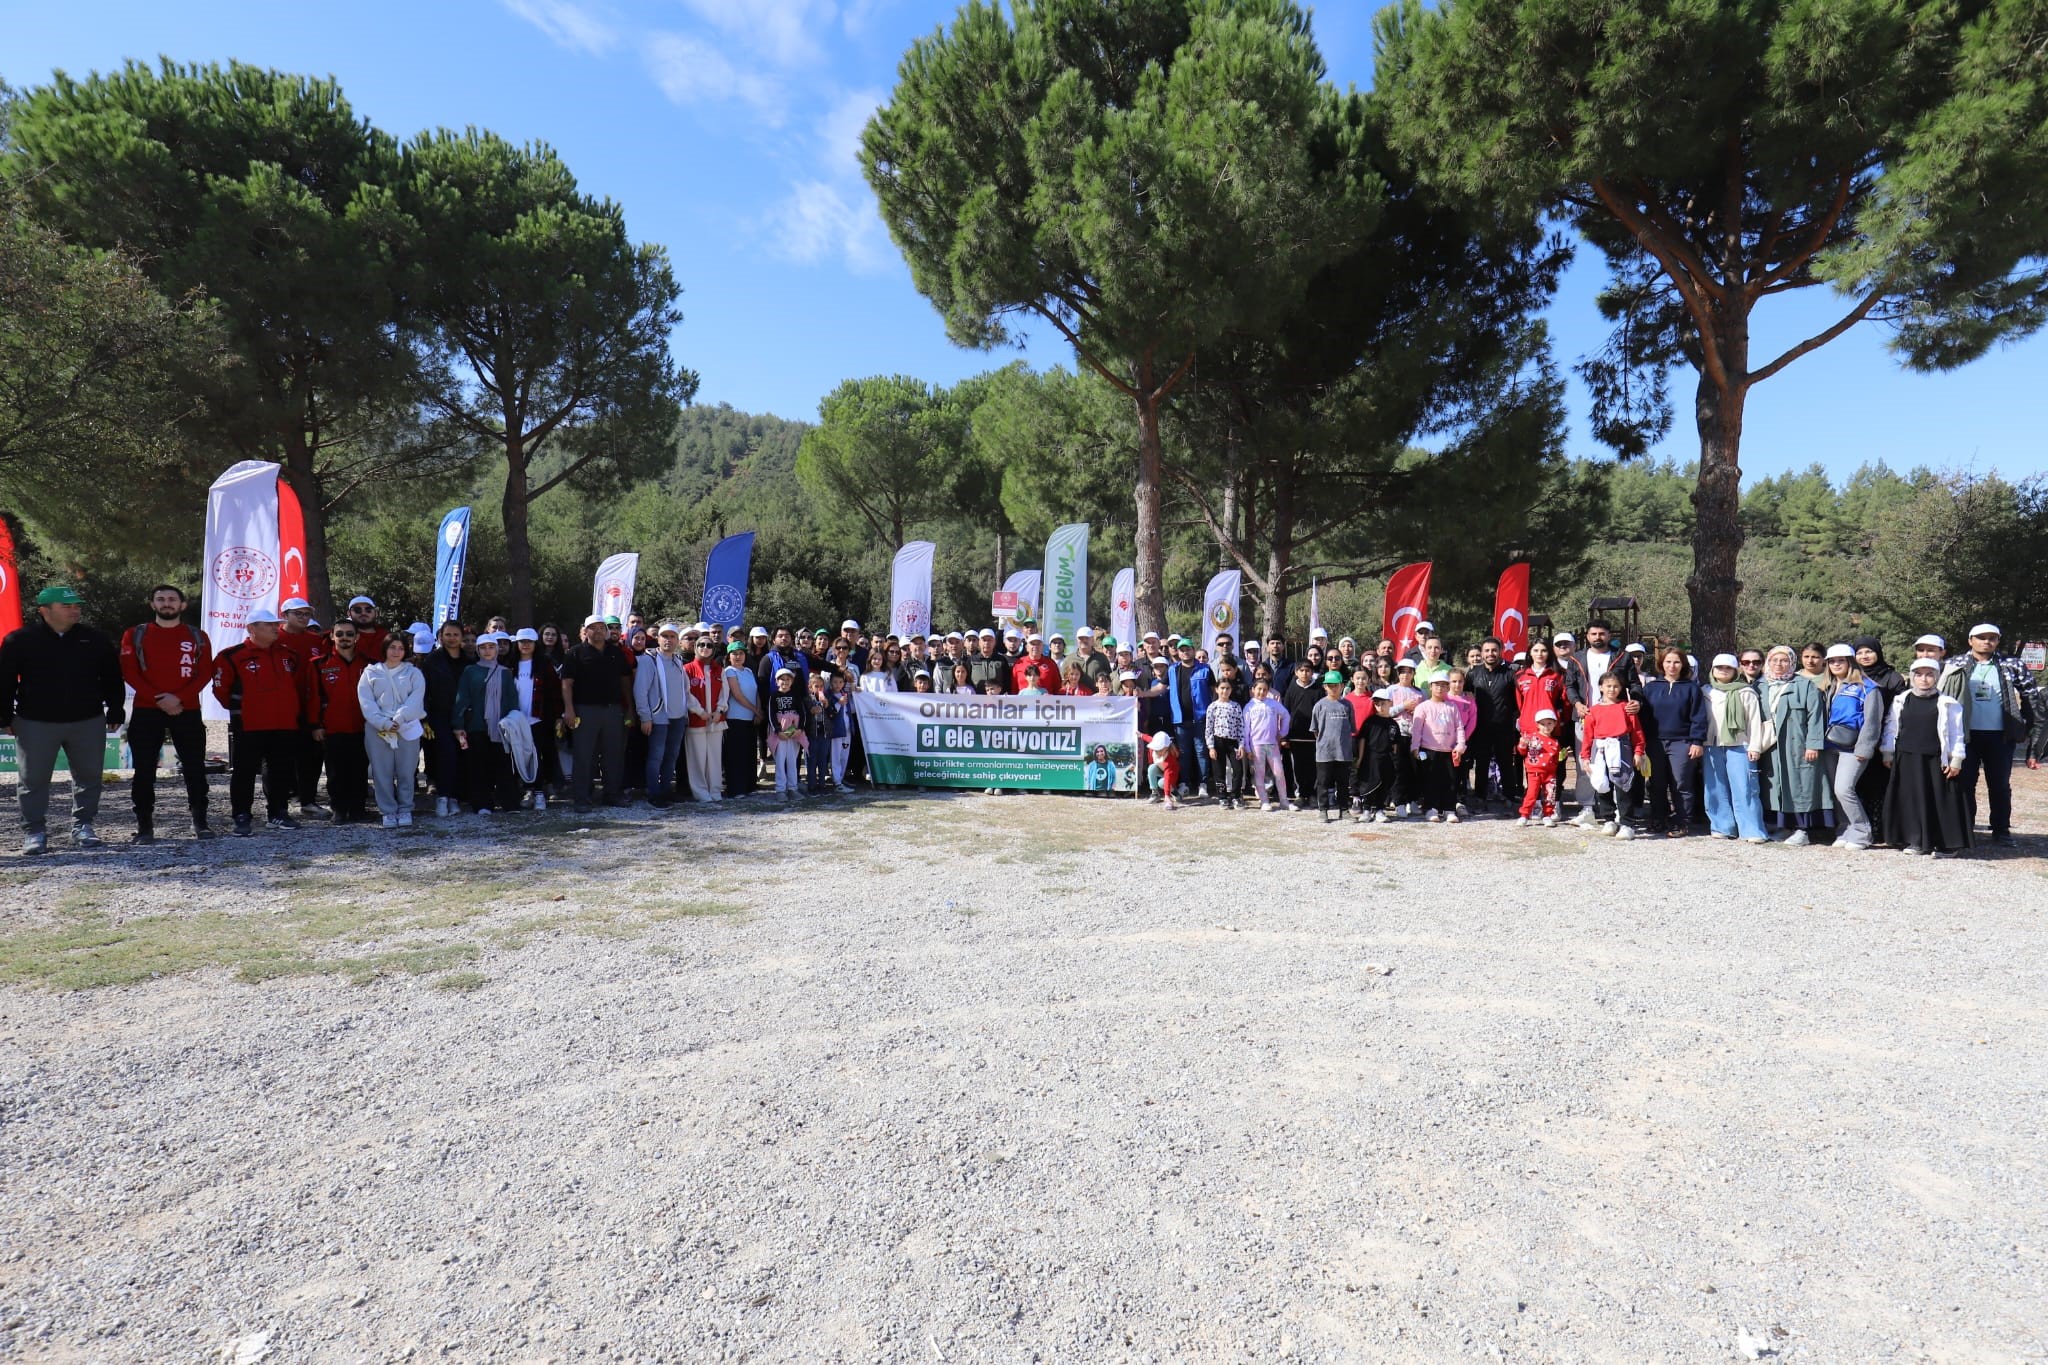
pixel 60 691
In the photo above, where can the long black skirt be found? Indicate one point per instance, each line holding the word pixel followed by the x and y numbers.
pixel 1923 809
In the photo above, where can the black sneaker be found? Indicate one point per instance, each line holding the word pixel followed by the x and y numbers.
pixel 202 830
pixel 2003 841
pixel 283 822
pixel 144 834
pixel 244 826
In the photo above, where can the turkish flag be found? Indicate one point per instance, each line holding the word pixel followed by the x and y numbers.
pixel 1511 610
pixel 291 546
pixel 1407 605
pixel 10 585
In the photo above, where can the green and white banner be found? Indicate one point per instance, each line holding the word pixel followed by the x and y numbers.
pixel 115 759
pixel 942 739
pixel 1066 582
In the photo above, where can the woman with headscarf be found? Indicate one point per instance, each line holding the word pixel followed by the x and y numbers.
pixel 1855 723
pixel 1889 682
pixel 1735 738
pixel 1925 742
pixel 1795 789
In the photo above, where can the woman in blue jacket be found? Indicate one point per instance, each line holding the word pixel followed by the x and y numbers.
pixel 1675 722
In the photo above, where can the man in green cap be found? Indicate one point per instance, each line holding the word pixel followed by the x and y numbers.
pixel 60 690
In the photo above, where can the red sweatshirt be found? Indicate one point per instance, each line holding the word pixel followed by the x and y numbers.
pixel 176 659
pixel 263 685
pixel 1609 720
pixel 306 644
pixel 332 704
pixel 1540 692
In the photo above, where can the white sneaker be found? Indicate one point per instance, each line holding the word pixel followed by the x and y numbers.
pixel 1585 820
pixel 1798 839
pixel 1451 818
pixel 1431 816
pixel 1292 806
pixel 391 822
pixel 1624 832
pixel 1461 809
pixel 1610 826
pixel 1523 822
pixel 1267 806
pixel 1550 822
pixel 405 819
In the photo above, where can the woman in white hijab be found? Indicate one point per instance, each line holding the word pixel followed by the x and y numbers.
pixel 1925 741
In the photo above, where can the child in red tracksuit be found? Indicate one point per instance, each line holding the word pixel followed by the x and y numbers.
pixel 1539 769
pixel 1165 769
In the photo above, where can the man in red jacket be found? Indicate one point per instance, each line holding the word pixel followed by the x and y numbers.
pixel 167 662
pixel 370 634
pixel 262 685
pixel 296 634
pixel 336 715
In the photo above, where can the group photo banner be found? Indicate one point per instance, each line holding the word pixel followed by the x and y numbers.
pixel 939 739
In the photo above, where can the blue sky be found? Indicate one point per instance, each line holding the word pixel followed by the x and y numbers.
pixel 727 129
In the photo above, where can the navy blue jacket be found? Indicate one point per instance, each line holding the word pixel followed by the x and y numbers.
pixel 1674 712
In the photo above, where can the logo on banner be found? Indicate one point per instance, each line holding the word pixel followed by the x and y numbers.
pixel 1220 615
pixel 1123 603
pixel 452 533
pixel 240 571
pixel 724 603
pixel 1521 622
pixel 614 594
pixel 289 556
pixel 910 615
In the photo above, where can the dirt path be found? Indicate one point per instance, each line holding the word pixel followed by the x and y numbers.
pixel 932 1078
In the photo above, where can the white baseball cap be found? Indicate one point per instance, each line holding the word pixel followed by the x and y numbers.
pixel 849 624
pixel 785 673
pixel 1934 640
pixel 1638 648
pixel 1545 714
pixel 1382 694
pixel 1084 633
pixel 1840 652
pixel 1986 629
pixel 758 633
pixel 262 616
pixel 1429 626
pixel 360 601
pixel 1127 676
pixel 987 633
pixel 1161 742
pixel 1319 634
pixel 527 633
pixel 1564 637
pixel 1151 634
pixel 1055 635
pixel 1035 639
pixel 590 621
pixel 668 628
pixel 1931 665
pixel 1725 661
pixel 295 604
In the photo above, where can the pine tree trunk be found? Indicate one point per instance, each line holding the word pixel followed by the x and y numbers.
pixel 1279 554
pixel 1151 556
pixel 1001 572
pixel 1717 522
pixel 305 481
pixel 518 552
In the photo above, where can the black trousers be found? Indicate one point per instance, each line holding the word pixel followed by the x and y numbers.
pixel 307 765
pixel 148 728
pixel 1490 745
pixel 274 754
pixel 1226 772
pixel 741 765
pixel 1301 755
pixel 1333 784
pixel 491 782
pixel 348 775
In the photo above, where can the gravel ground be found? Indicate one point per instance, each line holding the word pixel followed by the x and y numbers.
pixel 961 1078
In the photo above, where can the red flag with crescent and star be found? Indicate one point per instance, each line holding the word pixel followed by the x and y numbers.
pixel 291 546
pixel 10 585
pixel 1407 605
pixel 1511 610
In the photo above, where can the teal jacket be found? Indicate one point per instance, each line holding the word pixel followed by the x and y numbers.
pixel 469 698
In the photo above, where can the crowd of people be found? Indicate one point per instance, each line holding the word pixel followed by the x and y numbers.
pixel 1825 744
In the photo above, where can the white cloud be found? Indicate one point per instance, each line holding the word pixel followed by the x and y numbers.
pixel 842 126
pixel 819 220
pixel 784 31
pixel 568 24
pixel 691 71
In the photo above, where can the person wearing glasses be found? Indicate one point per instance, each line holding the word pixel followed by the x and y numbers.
pixel 704 731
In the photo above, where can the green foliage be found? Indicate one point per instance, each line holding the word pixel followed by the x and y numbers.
pixel 884 455
pixel 550 327
pixel 1140 177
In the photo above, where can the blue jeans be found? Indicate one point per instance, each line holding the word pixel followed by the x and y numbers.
pixel 1733 804
pixel 1991 751
pixel 664 747
pixel 1194 755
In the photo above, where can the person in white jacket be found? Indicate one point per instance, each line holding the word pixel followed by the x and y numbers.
pixel 393 696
